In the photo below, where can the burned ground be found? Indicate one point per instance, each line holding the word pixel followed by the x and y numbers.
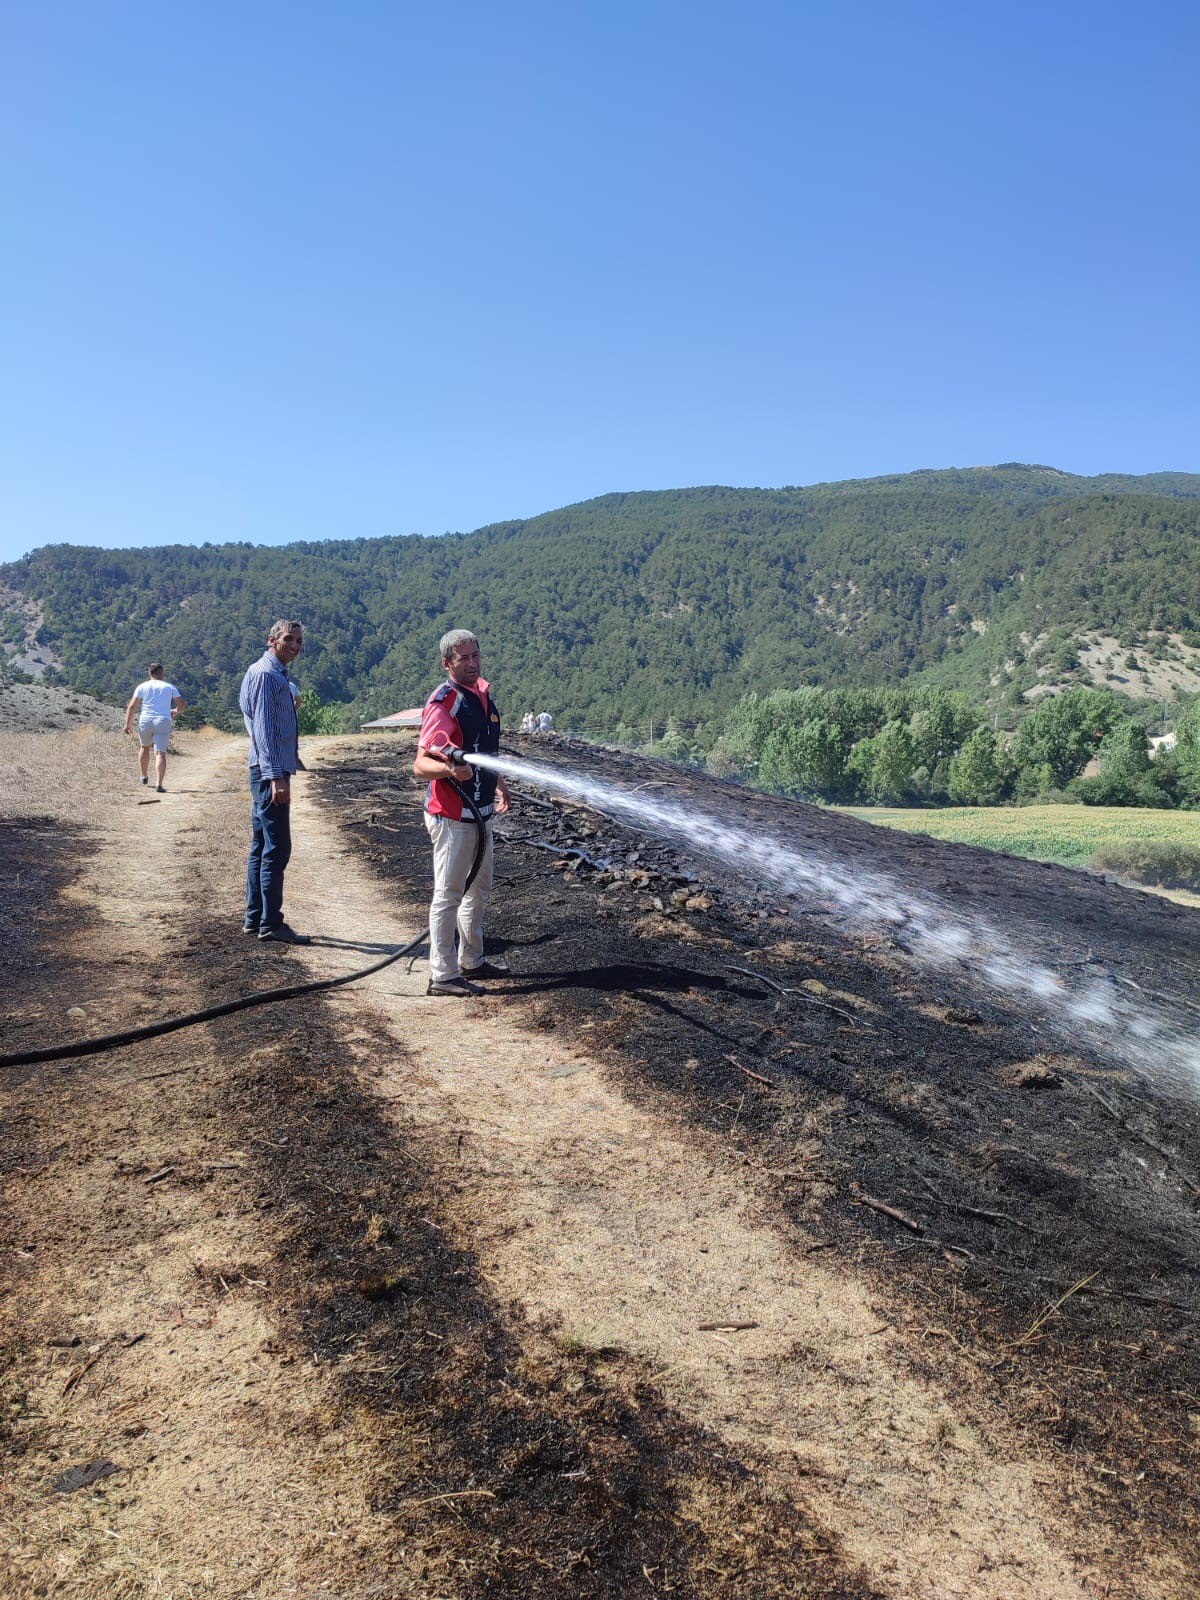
pixel 487 1455
pixel 262 1208
pixel 967 1143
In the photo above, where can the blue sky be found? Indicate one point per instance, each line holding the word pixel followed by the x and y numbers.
pixel 299 271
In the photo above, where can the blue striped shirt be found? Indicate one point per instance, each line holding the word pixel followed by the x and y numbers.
pixel 269 712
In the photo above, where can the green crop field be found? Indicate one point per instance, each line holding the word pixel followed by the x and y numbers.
pixel 1069 835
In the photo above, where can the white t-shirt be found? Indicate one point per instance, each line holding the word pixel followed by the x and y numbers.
pixel 156 695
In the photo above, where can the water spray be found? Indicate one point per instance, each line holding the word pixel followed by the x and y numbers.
pixel 930 933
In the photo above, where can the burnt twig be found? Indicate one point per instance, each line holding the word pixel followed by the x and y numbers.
pixel 771 983
pixel 79 1371
pixel 974 1211
pixel 531 800
pixel 797 994
pixel 1134 1133
pixel 863 1199
pixel 459 1494
pixel 757 1076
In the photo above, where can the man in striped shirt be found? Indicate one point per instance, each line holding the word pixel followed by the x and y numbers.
pixel 269 712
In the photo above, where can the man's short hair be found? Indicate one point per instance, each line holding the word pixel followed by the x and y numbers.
pixel 453 641
pixel 155 666
pixel 278 629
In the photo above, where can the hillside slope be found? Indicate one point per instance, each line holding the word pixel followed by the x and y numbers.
pixel 675 603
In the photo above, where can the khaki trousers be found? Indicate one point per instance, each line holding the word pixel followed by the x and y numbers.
pixel 450 910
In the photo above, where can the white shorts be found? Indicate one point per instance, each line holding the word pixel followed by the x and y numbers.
pixel 155 731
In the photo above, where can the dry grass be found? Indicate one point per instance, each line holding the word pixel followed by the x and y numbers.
pixel 40 707
pixel 64 776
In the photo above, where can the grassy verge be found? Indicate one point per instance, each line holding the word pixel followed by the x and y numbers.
pixel 1069 835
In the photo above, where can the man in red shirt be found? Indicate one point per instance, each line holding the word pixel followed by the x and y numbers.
pixel 459 715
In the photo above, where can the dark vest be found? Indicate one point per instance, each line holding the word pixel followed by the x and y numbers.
pixel 480 732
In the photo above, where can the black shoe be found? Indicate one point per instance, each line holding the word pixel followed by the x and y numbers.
pixel 488 969
pixel 143 780
pixel 249 927
pixel 282 934
pixel 453 988
pixel 159 788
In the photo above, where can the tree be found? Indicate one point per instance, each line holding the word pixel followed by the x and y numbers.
pixel 1125 751
pixel 939 723
pixel 1127 775
pixel 1063 735
pixel 313 717
pixel 1187 752
pixel 886 763
pixel 809 760
pixel 977 775
pixel 821 759
pixel 779 763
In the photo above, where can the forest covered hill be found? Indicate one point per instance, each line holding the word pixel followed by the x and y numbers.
pixel 635 608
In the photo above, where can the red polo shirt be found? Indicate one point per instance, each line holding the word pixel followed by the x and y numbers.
pixel 440 731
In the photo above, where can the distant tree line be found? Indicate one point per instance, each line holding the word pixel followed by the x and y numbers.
pixel 656 616
pixel 929 746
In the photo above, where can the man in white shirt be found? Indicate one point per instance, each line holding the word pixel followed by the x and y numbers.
pixel 160 701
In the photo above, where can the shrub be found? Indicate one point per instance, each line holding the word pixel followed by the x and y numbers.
pixel 1157 863
pixel 315 717
pixel 1117 789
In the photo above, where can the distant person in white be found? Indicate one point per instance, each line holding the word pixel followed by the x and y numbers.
pixel 160 701
pixel 528 723
pixel 544 722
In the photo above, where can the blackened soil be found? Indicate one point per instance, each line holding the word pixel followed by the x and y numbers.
pixel 499 1463
pixel 522 1470
pixel 38 859
pixel 1028 1194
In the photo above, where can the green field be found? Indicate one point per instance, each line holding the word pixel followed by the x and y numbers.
pixel 1068 835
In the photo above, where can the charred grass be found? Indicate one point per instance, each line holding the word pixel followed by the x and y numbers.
pixel 494 1457
pixel 503 1459
pixel 1027 1205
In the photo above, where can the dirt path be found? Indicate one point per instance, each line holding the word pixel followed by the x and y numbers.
pixel 623 1231
pixel 143 1296
pixel 609 1229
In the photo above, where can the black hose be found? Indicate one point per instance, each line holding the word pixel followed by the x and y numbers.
pixel 481 841
pixel 152 1030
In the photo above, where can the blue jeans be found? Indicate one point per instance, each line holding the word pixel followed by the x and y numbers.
pixel 270 852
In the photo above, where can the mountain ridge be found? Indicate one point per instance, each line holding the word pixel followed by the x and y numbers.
pixel 660 603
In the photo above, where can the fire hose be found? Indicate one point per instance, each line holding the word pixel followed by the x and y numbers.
pixel 263 997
